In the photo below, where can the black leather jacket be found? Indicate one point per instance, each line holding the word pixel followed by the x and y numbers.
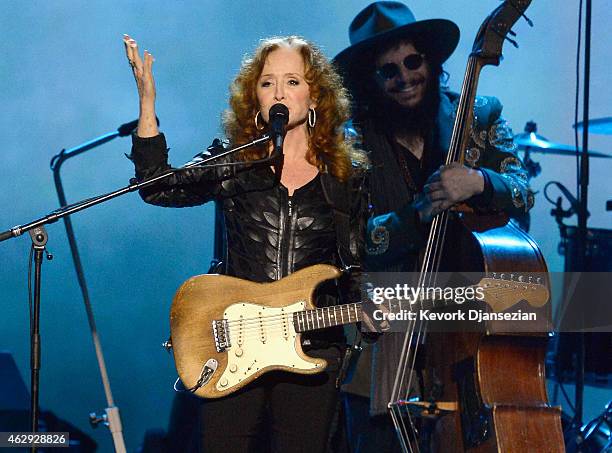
pixel 269 234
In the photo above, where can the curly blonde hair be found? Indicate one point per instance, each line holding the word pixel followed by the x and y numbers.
pixel 328 150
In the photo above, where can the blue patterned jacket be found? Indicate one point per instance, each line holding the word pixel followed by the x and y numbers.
pixel 393 231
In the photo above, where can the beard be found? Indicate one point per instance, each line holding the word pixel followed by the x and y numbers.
pixel 393 117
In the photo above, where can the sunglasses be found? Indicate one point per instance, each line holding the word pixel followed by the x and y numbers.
pixel 390 71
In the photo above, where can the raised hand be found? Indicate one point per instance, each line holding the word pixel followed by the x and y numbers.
pixel 142 69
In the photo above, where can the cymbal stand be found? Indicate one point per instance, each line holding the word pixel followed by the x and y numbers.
pixel 533 167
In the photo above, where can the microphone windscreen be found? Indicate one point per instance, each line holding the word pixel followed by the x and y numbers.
pixel 280 112
pixel 127 128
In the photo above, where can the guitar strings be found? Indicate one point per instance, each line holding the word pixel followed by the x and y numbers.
pixel 500 289
pixel 332 312
pixel 319 318
pixel 308 317
pixel 278 321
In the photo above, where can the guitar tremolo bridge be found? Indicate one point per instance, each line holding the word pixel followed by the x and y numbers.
pixel 221 334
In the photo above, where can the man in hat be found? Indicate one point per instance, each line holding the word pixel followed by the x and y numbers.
pixel 403 117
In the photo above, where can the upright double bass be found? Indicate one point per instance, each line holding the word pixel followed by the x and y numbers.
pixel 482 391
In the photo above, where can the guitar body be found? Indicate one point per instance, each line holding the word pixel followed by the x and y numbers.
pixel 496 378
pixel 219 339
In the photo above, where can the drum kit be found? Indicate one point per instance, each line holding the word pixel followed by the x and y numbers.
pixel 599 241
pixel 530 142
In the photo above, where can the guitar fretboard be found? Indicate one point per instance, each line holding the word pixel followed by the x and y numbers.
pixel 499 293
pixel 320 318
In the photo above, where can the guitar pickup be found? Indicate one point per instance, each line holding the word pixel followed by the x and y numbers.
pixel 221 334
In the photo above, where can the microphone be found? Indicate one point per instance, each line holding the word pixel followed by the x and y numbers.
pixel 127 128
pixel 278 119
pixel 574 204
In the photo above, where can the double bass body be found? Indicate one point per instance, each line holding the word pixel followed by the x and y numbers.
pixel 496 378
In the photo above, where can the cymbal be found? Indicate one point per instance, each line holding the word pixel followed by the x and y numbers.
pixel 597 125
pixel 538 144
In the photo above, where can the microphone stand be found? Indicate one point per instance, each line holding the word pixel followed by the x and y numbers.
pixel 582 265
pixel 111 417
pixel 39 239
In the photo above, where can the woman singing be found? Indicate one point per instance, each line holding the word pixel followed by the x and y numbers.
pixel 314 213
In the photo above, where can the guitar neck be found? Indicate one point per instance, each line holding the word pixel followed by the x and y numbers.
pixel 498 294
pixel 321 318
pixel 337 315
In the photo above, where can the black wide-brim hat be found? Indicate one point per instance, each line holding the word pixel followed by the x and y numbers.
pixel 384 22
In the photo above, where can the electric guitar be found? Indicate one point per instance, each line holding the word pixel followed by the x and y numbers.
pixel 226 332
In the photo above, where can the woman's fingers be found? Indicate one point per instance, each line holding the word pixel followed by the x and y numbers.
pixel 130 45
pixel 131 50
pixel 148 63
pixel 147 76
pixel 143 75
pixel 142 67
pixel 138 64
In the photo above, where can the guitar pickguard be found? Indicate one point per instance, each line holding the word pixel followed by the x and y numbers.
pixel 262 337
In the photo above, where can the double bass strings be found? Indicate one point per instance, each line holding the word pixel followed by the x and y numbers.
pixel 430 267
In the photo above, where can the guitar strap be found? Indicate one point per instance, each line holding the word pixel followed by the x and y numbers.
pixel 338 196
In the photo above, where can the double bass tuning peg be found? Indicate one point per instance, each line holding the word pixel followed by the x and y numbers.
pixel 510 40
pixel 499 31
pixel 528 20
pixel 521 11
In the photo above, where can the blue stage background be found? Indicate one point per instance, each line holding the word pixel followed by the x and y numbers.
pixel 65 80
